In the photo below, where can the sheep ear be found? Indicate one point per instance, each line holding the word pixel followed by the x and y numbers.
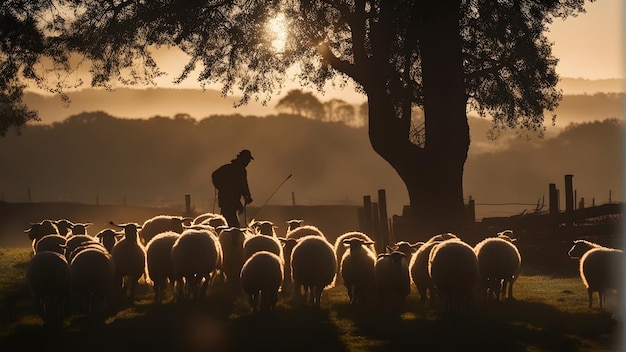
pixel 390 249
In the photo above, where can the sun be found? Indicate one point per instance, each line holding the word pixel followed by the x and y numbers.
pixel 277 32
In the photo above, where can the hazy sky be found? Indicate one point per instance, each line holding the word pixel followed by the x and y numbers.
pixel 588 46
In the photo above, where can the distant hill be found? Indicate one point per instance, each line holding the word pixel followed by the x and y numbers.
pixel 145 103
pixel 574 86
pixel 96 157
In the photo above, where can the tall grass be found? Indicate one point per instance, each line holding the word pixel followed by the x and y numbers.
pixel 548 314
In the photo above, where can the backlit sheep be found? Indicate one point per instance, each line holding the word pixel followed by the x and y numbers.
pixel 259 243
pixel 418 268
pixel 600 268
pixel 294 223
pixel 51 243
pixel 37 230
pixel 159 224
pixel 261 277
pixel 499 263
pixel 453 267
pixel 196 255
pixel 231 240
pixel 48 277
pixel 340 247
pixel 74 241
pixel 212 219
pixel 93 272
pixel 264 227
pixel 441 237
pixel 159 262
pixel 129 258
pixel 108 238
pixel 80 228
pixel 313 267
pixel 393 283
pixel 303 231
pixel 63 226
pixel 357 270
pixel 405 247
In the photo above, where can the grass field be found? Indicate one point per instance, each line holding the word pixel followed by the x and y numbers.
pixel 549 314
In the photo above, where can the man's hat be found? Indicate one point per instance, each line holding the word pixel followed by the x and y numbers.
pixel 245 154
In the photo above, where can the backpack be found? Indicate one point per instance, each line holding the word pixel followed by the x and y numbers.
pixel 220 177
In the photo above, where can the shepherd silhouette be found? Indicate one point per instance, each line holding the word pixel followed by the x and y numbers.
pixel 231 182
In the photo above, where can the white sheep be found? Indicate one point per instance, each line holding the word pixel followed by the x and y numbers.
pixel 196 256
pixel 600 268
pixel 259 243
pixel 392 280
pixel 261 277
pixel 499 263
pixel 51 243
pixel 161 223
pixel 93 272
pixel 48 277
pixel 418 268
pixel 212 219
pixel 453 267
pixel 357 269
pixel 340 247
pixel 313 267
pixel 232 239
pixel 129 258
pixel 303 231
pixel 159 262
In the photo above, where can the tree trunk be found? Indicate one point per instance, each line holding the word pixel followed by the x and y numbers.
pixel 433 174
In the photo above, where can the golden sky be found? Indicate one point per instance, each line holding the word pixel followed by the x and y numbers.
pixel 588 46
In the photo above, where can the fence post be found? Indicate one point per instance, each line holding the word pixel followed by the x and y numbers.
pixel 187 204
pixel 376 227
pixel 366 227
pixel 382 209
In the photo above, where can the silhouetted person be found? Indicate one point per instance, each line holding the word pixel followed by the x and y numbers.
pixel 231 182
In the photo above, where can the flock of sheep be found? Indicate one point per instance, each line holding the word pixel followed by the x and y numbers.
pixel 195 257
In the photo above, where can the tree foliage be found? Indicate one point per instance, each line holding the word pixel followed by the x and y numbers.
pixel 301 103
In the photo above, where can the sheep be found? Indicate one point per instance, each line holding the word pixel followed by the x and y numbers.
pixel 392 281
pixel 159 262
pixel 161 223
pixel 313 267
pixel 263 227
pixel 261 277
pixel 340 247
pixel 51 243
pixel 418 268
pixel 259 243
pixel 37 230
pixel 74 241
pixel 441 237
pixel 108 238
pixel 293 224
pixel 195 255
pixel 405 247
pixel 499 263
pixel 303 231
pixel 63 226
pixel 212 219
pixel 92 271
pixel 357 269
pixel 453 268
pixel 129 258
pixel 91 244
pixel 600 268
pixel 80 228
pixel 231 240
pixel 48 277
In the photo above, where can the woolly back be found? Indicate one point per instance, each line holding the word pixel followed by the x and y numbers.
pixel 313 262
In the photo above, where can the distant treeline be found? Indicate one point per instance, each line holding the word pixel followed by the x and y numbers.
pixel 94 157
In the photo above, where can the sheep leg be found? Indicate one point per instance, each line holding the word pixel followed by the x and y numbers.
pixel 590 296
pixel 601 298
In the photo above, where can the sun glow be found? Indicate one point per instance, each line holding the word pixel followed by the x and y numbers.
pixel 277 32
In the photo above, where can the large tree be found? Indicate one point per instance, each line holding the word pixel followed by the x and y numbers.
pixel 442 56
